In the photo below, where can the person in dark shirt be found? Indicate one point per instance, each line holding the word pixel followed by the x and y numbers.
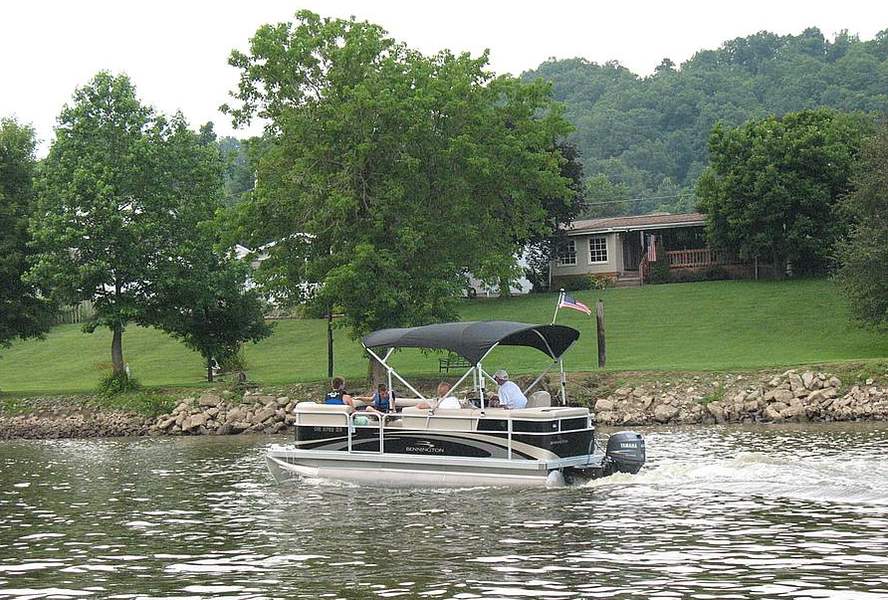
pixel 338 395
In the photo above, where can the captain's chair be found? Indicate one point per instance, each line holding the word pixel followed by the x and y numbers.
pixel 539 399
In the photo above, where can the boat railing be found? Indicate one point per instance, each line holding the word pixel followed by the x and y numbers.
pixel 382 418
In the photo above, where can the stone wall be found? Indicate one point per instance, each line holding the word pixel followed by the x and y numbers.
pixel 618 399
pixel 794 396
pixel 217 414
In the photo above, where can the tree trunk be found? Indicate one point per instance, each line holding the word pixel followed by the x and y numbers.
pixel 210 370
pixel 117 350
pixel 377 373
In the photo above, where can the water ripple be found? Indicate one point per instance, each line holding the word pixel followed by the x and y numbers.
pixel 721 512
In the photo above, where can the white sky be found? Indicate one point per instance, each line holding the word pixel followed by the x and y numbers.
pixel 176 51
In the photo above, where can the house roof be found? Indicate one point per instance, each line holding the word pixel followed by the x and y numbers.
pixel 653 221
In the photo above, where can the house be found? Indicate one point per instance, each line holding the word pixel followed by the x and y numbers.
pixel 622 248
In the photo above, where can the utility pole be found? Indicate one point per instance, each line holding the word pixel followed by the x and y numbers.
pixel 599 322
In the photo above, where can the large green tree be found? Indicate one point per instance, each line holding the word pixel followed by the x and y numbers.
pixel 773 183
pixel 388 175
pixel 863 255
pixel 23 312
pixel 121 190
pixel 204 299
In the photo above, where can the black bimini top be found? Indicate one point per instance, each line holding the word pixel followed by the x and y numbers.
pixel 473 339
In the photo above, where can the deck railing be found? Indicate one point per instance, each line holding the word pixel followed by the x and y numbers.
pixel 700 257
pixel 377 421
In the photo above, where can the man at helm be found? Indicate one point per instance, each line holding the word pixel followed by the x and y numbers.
pixel 509 394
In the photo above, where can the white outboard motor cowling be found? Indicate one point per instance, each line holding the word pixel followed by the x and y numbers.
pixel 625 452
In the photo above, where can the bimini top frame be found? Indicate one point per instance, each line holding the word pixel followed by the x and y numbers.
pixel 474 340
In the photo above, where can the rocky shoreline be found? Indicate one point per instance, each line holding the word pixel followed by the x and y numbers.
pixel 795 395
pixel 792 396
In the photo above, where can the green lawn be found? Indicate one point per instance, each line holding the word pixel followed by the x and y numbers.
pixel 695 326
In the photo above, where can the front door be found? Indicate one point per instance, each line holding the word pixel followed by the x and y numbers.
pixel 632 250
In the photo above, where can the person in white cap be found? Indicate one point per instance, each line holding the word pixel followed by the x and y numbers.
pixel 509 394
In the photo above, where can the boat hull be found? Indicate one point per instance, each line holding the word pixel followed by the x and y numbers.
pixel 388 470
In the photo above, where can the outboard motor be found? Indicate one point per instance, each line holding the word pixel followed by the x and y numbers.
pixel 625 453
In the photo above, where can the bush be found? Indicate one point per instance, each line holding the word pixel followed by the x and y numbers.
pixel 713 273
pixel 576 283
pixel 660 272
pixel 233 362
pixel 602 282
pixel 117 383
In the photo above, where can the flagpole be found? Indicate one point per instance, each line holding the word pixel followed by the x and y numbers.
pixel 558 304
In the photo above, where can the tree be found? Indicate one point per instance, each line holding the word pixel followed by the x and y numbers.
pixel 24 312
pixel 540 251
pixel 204 300
pixel 640 130
pixel 605 199
pixel 121 191
pixel 772 185
pixel 389 174
pixel 863 254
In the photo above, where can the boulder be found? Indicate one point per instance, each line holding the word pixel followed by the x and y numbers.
pixel 772 412
pixel 623 392
pixel 604 404
pixel 715 409
pixel 815 397
pixel 664 413
pixel 282 401
pixel 263 415
pixel 235 414
pixel 752 406
pixel 606 418
pixel 239 426
pixel 808 379
pixel 194 421
pixel 209 400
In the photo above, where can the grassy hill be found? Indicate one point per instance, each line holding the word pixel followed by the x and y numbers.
pixel 700 326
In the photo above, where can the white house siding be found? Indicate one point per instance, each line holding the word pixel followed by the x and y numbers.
pixel 584 266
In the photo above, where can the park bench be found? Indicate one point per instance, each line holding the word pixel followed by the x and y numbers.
pixel 452 361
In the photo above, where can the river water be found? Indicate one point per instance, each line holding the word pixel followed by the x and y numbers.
pixel 718 512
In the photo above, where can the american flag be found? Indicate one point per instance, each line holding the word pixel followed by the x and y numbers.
pixel 568 301
pixel 652 248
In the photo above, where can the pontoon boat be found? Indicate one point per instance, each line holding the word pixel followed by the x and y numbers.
pixel 541 444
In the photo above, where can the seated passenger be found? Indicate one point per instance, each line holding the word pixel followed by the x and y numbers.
pixel 509 395
pixel 382 399
pixel 444 399
pixel 338 395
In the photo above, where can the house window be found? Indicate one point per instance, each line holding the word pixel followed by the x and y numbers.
pixel 598 249
pixel 567 253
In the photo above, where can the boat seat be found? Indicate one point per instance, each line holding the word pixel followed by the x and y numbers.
pixel 327 415
pixel 448 419
pixel 545 413
pixel 539 399
pixel 407 402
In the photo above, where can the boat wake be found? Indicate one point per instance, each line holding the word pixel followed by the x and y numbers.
pixel 823 479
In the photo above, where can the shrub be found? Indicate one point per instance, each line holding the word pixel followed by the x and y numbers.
pixel 576 283
pixel 660 272
pixel 234 362
pixel 602 282
pixel 117 383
